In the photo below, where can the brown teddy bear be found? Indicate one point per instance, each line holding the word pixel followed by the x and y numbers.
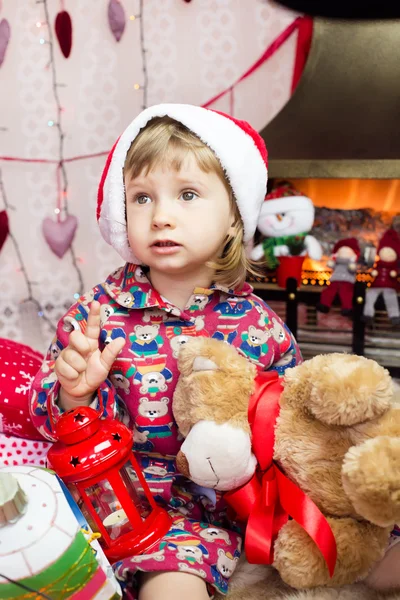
pixel 337 437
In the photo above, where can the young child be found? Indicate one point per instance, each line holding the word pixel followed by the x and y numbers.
pixel 179 200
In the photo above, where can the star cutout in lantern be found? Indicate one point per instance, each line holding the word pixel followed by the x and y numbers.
pixel 117 437
pixel 79 418
pixel 75 461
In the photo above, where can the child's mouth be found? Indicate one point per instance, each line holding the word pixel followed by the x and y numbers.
pixel 165 244
pixel 165 247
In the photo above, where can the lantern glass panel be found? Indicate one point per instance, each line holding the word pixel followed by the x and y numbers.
pixel 108 508
pixel 135 490
pixel 82 506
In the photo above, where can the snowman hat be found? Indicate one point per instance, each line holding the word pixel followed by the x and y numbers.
pixel 285 197
pixel 238 147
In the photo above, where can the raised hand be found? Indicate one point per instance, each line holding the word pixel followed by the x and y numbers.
pixel 81 368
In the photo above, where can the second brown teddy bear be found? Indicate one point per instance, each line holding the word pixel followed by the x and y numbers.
pixel 337 437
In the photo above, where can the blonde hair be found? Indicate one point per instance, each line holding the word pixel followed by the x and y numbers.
pixel 166 141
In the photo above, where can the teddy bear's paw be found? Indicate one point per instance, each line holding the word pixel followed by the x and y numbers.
pixel 371 479
pixel 297 558
pixel 301 565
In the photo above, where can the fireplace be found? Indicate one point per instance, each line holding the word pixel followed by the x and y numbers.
pixel 361 208
pixel 337 139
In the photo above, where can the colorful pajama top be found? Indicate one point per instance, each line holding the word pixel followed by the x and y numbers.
pixel 139 391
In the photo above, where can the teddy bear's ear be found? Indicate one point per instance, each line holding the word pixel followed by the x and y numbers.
pixel 201 363
pixel 344 389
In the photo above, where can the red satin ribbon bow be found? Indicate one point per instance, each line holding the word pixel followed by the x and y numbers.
pixel 268 500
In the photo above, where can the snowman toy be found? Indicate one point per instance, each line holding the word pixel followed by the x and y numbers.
pixel 285 220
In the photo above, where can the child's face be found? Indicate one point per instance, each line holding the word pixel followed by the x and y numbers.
pixel 177 220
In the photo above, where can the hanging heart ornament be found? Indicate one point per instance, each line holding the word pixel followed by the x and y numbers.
pixel 4 227
pixel 116 18
pixel 59 235
pixel 5 32
pixel 63 27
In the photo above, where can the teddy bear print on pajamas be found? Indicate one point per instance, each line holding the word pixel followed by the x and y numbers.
pixel 139 391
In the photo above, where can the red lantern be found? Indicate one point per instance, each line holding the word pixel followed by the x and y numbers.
pixel 94 458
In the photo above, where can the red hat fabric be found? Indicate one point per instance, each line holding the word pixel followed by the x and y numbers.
pixel 239 148
pixel 350 243
pixel 390 239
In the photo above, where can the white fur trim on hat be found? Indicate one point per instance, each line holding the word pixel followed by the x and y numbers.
pixel 235 148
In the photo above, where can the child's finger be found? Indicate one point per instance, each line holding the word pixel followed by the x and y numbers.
pixel 65 370
pixel 74 359
pixel 93 323
pixel 79 342
pixel 111 352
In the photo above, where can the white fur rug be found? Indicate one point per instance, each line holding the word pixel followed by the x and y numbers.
pixel 247 586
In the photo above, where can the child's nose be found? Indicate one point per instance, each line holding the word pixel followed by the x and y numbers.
pixel 163 216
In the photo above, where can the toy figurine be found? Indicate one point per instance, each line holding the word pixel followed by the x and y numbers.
pixel 285 220
pixel 344 264
pixel 385 281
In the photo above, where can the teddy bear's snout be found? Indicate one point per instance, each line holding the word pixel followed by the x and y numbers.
pixel 217 456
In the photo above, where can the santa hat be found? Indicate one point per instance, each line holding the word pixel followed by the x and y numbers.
pixel 390 239
pixel 239 148
pixel 350 243
pixel 285 197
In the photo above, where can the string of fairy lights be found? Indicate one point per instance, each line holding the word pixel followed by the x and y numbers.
pixel 62 188
pixel 62 208
pixel 22 267
pixel 144 85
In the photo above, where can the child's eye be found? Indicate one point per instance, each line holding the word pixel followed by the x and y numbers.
pixel 143 199
pixel 187 196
